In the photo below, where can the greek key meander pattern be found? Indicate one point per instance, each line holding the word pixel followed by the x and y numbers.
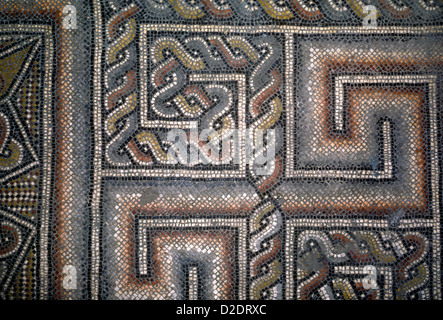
pixel 91 206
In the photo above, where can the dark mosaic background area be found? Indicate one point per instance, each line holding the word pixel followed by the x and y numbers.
pixel 91 207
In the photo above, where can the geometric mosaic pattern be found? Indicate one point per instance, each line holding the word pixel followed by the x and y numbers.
pixel 92 207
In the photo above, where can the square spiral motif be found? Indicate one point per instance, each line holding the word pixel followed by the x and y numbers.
pixel 93 207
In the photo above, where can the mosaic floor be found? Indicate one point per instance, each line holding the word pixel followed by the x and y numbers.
pixel 221 149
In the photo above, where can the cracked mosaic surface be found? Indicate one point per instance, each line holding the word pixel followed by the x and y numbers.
pixel 92 207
